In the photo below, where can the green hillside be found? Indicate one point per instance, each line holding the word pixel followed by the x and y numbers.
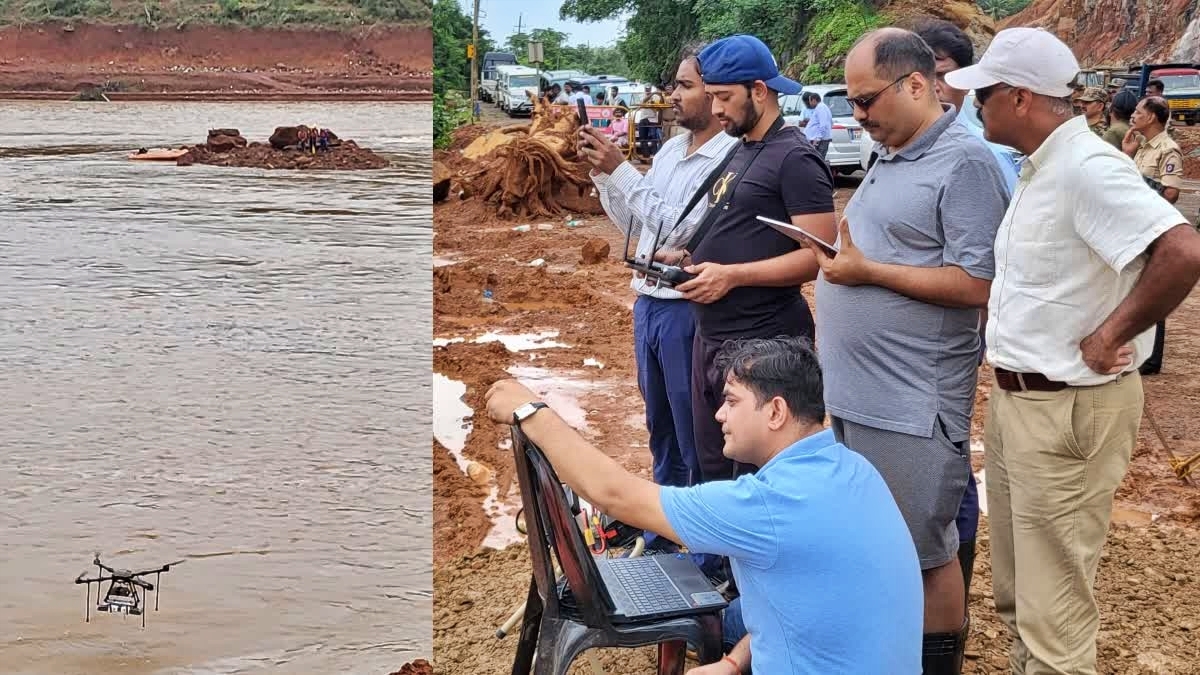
pixel 252 13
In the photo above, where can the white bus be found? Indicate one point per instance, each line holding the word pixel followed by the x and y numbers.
pixel 487 73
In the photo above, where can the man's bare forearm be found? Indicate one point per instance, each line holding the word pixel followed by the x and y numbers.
pixel 599 478
pixel 949 286
pixel 1169 276
pixel 790 269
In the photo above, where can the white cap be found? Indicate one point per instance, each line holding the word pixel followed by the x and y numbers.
pixel 1030 58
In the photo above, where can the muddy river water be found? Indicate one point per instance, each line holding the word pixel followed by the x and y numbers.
pixel 224 366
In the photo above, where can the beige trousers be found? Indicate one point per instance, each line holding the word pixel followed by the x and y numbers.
pixel 1053 462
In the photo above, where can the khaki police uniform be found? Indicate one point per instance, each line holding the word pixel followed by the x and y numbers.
pixel 1161 159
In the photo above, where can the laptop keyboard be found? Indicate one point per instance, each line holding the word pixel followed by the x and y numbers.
pixel 648 586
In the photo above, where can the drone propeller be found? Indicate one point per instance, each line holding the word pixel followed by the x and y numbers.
pixel 103 567
pixel 81 580
pixel 157 570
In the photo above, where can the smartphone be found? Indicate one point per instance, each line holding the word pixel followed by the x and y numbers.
pixel 583 116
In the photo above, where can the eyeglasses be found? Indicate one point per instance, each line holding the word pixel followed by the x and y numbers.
pixel 982 95
pixel 863 103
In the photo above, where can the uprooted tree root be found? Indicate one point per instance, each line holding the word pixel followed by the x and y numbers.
pixel 525 167
pixel 523 176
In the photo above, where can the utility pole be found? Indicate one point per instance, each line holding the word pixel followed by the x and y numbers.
pixel 474 62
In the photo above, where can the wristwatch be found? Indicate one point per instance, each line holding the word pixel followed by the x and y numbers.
pixel 525 411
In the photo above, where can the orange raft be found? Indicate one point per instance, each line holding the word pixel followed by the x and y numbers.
pixel 159 154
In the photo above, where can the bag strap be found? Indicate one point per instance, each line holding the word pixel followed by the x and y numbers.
pixel 715 209
pixel 706 185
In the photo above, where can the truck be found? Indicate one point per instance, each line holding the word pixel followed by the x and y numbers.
pixel 487 73
pixel 1181 88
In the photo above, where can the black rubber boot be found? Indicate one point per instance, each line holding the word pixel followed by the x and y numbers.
pixel 942 653
pixel 966 560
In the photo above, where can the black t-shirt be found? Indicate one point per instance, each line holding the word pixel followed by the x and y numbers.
pixel 786 178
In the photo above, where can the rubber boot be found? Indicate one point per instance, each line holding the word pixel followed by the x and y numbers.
pixel 966 559
pixel 942 653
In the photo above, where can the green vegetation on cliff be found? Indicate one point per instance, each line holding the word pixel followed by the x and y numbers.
pixel 830 34
pixel 1000 9
pixel 249 13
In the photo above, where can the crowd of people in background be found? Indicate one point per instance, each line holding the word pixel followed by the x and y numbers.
pixel 848 548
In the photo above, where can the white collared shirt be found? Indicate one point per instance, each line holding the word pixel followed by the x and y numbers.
pixel 659 197
pixel 1069 250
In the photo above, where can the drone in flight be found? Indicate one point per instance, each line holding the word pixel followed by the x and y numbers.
pixel 126 590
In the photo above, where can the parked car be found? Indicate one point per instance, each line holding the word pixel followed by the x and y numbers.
pixel 868 154
pixel 843 155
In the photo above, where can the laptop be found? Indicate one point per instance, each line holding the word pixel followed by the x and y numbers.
pixel 657 587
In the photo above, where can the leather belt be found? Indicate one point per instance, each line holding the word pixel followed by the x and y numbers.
pixel 1010 381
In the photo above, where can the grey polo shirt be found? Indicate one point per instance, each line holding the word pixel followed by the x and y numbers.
pixel 889 361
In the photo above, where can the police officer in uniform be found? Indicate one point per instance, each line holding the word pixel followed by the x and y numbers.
pixel 1159 159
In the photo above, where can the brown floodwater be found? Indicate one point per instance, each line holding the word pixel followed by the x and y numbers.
pixel 224 366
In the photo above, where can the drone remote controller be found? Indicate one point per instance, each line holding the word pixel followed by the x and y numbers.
pixel 672 274
pixel 666 275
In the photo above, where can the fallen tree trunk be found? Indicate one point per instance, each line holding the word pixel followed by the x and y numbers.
pixel 525 168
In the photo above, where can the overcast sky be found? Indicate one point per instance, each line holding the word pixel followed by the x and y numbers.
pixel 499 18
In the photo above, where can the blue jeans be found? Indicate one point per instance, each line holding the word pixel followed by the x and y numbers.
pixel 663 331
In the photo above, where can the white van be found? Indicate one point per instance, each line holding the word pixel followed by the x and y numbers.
pixel 514 82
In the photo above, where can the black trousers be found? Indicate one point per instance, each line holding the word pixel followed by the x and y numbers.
pixel 1154 363
pixel 708 394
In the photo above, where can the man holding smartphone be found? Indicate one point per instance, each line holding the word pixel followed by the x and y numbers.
pixel 655 205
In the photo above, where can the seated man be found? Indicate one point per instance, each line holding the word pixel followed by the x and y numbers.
pixel 827 569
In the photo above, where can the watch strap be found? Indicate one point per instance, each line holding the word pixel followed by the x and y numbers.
pixel 534 405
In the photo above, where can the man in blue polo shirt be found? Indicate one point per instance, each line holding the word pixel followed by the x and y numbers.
pixel 813 599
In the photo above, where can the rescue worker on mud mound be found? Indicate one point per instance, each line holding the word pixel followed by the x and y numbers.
pixel 813 600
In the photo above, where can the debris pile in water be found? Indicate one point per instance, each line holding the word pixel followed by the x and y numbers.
pixel 286 149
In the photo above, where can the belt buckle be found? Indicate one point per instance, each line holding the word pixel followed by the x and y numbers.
pixel 1021 381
